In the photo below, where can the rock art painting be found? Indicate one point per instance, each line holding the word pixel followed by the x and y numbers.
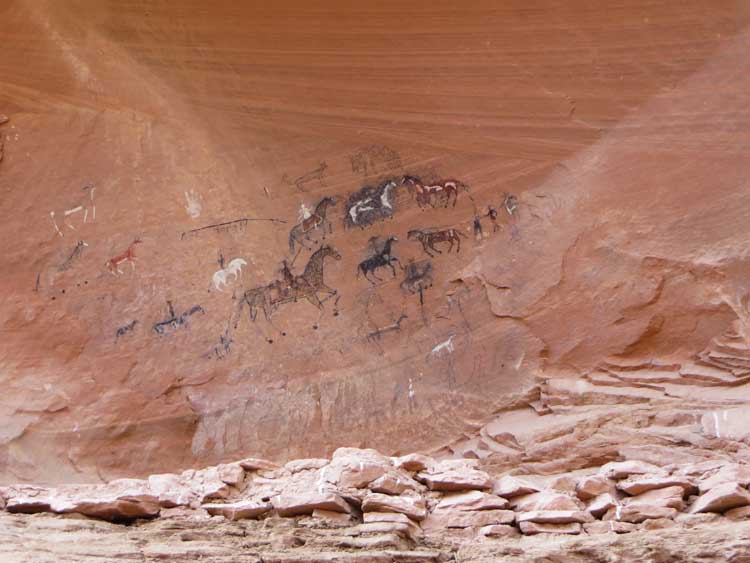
pixel 317 221
pixel 375 159
pixel 444 347
pixel 231 273
pixel 430 194
pixel 3 119
pixel 193 205
pixel 113 264
pixel 83 207
pixel 74 255
pixel 125 329
pixel 395 326
pixel 418 277
pixel 226 226
pixel 383 258
pixel 430 237
pixel 291 288
pixel 315 175
pixel 174 321
pixel 370 204
pixel 510 203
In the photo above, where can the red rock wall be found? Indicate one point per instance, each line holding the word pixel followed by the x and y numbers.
pixel 623 134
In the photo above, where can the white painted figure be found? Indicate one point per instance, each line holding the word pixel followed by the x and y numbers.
pixel 85 205
pixel 193 205
pixel 234 269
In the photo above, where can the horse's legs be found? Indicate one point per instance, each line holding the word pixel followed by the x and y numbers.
pixel 432 246
pixel 324 287
pixel 458 243
pixel 374 275
pixel 317 302
pixel 54 223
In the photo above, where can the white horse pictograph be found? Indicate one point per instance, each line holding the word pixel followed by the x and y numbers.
pixel 221 277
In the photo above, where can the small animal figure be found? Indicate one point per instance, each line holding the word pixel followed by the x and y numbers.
pixel 85 203
pixel 430 238
pixel 380 260
pixel 424 193
pixel 394 327
pixel 124 329
pixel 113 264
pixel 174 321
pixel 77 251
pixel 221 277
pixel 316 174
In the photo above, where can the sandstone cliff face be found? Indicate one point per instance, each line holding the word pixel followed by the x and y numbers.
pixel 154 153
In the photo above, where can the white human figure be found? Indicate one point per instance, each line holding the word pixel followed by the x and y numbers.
pixel 304 212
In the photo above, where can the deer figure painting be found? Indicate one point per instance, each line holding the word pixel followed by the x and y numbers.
pixel 113 264
pixel 84 205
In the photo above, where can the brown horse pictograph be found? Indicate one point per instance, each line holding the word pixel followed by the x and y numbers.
pixel 432 237
pixel 292 288
pixel 301 231
pixel 426 192
pixel 113 264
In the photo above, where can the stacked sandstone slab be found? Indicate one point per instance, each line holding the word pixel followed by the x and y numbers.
pixel 414 496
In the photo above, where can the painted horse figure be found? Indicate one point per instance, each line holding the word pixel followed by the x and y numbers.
pixel 292 288
pixel 317 220
pixel 379 260
pixel 369 204
pixel 221 277
pixel 425 192
pixel 430 238
pixel 113 264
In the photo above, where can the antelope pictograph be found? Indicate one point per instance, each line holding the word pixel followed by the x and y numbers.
pixel 113 264
pixel 84 205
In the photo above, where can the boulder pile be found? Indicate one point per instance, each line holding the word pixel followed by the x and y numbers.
pixel 414 496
